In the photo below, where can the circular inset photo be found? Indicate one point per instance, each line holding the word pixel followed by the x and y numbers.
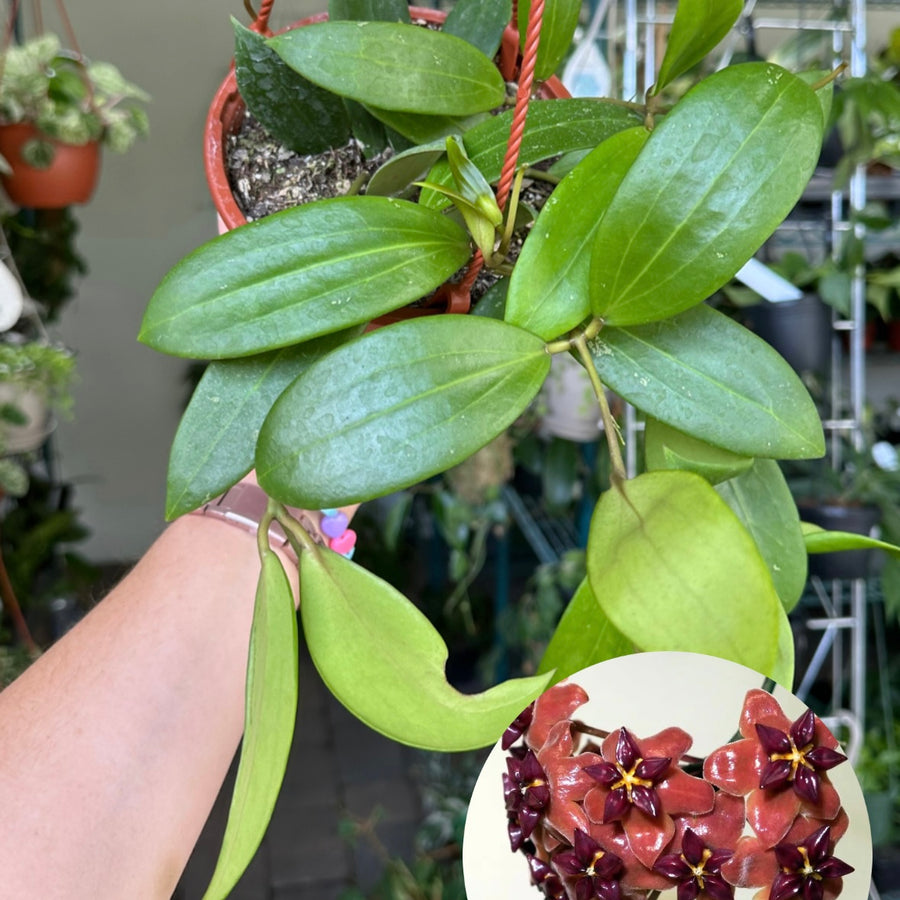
pixel 675 775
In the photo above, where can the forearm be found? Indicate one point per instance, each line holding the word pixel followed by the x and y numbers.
pixel 115 743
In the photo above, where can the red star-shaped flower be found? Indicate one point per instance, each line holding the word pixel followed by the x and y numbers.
pixel 593 870
pixel 807 867
pixel 755 865
pixel 677 792
pixel 739 768
pixel 696 869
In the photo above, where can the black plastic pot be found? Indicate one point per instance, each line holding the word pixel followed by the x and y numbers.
pixel 845 564
pixel 800 330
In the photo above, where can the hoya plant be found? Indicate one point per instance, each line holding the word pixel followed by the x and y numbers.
pixel 659 207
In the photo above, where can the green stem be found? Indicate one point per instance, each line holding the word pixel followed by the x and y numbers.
pixel 299 537
pixel 358 183
pixel 513 208
pixel 610 426
pixel 541 175
pixel 829 77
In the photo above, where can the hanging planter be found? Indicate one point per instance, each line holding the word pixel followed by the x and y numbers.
pixel 226 112
pixel 69 178
pixel 56 112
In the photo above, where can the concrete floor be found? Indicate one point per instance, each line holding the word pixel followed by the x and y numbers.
pixel 338 769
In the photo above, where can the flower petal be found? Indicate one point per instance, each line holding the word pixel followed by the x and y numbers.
pixel 681 793
pixel 735 767
pixel 761 707
pixel 752 865
pixel 648 836
pixel 771 814
pixel 553 706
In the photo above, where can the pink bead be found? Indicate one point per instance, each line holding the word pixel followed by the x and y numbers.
pixel 334 526
pixel 344 542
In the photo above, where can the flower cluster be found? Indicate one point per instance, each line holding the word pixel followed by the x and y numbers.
pixel 616 815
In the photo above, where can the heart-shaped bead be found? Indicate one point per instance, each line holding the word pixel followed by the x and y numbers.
pixel 344 543
pixel 334 526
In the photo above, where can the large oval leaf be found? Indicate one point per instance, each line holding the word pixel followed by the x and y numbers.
pixel 385 662
pixel 552 127
pixel 583 637
pixel 698 26
pixel 216 438
pixel 674 569
pixel 817 540
pixel 558 23
pixel 704 374
pixel 297 112
pixel 369 10
pixel 549 292
pixel 668 448
pixel 762 500
pixel 271 707
pixel 716 177
pixel 395 407
pixel 481 24
pixel 394 66
pixel 301 273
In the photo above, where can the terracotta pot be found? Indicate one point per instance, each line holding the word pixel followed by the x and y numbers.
pixel 70 178
pixel 226 112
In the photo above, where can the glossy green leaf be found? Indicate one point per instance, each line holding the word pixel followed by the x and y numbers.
pixel 674 569
pixel 761 499
pixel 423 129
pixel 394 66
pixel 402 404
pixel 492 303
pixel 480 23
pixel 301 273
pixel 471 183
pixel 698 27
pixel 216 438
pixel 483 233
pixel 549 292
pixel 710 377
pixel 552 127
pixel 667 448
pixel 402 169
pixel 271 707
pixel 783 670
pixel 558 24
pixel 818 540
pixel 369 10
pixel 583 637
pixel 718 174
pixel 297 112
pixel 384 661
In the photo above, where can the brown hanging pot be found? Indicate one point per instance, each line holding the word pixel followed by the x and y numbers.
pixel 70 178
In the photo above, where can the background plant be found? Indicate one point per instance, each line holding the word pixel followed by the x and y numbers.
pixel 662 211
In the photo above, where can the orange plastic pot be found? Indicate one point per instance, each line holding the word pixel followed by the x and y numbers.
pixel 70 178
pixel 226 114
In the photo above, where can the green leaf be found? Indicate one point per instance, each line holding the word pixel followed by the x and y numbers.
pixel 423 129
pixel 718 174
pixel 783 670
pixel 549 292
pixel 583 637
pixel 301 273
pixel 385 662
pixel 402 169
pixel 667 448
pixel 708 376
pixel 271 707
pixel 297 112
pixel 369 10
pixel 480 23
pixel 674 569
pixel 216 438
pixel 698 27
pixel 471 183
pixel 402 403
pixel 394 66
pixel 761 499
pixel 558 24
pixel 492 303
pixel 552 127
pixel 820 541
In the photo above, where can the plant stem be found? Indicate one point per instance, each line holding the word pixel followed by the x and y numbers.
pixel 541 175
pixel 8 596
pixel 610 426
pixel 829 77
pixel 299 537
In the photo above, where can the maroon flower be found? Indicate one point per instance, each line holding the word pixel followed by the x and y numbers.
pixel 739 768
pixel 806 866
pixel 546 879
pixel 630 779
pixel 676 792
pixel 526 793
pixel 697 869
pixel 794 757
pixel 517 727
pixel 592 869
pixel 755 865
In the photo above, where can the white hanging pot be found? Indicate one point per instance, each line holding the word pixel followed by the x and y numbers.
pixel 32 434
pixel 572 411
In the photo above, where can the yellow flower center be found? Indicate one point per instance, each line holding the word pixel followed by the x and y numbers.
pixel 797 758
pixel 629 779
